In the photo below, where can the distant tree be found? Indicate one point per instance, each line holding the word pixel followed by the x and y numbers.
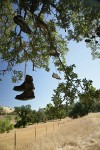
pixel 49 110
pixel 40 116
pixel 96 102
pixel 89 101
pixel 76 110
pixel 73 89
pixel 87 96
pixel 1 110
pixel 25 115
pixel 58 106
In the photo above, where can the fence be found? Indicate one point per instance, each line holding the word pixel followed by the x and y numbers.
pixel 20 138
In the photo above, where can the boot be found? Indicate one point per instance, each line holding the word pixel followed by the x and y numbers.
pixel 87 40
pixel 26 95
pixel 28 78
pixel 27 84
pixel 19 20
pixel 54 53
pixel 98 31
pixel 40 23
pixel 54 75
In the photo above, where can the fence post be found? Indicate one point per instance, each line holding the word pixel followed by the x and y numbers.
pixel 53 126
pixel 46 130
pixel 15 141
pixel 35 133
pixel 58 124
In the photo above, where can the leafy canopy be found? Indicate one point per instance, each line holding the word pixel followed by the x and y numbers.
pixel 34 33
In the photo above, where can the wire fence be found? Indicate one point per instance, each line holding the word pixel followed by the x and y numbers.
pixel 20 138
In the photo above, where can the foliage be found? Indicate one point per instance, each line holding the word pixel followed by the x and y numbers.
pixel 88 98
pixel 76 110
pixel 88 102
pixel 58 107
pixel 73 89
pixel 18 50
pixel 49 111
pixel 5 125
pixel 80 20
pixel 1 111
pixel 70 89
pixel 25 115
pixel 40 116
pixel 30 31
pixel 9 117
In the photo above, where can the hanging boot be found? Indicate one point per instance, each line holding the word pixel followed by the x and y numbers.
pixel 98 31
pixel 54 53
pixel 26 95
pixel 19 20
pixel 54 75
pixel 87 40
pixel 28 78
pixel 41 24
pixel 27 84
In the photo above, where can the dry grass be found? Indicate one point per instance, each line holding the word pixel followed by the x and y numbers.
pixel 78 134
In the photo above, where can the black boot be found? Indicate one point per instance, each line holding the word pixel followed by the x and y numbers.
pixel 98 31
pixel 26 95
pixel 40 23
pixel 19 20
pixel 27 84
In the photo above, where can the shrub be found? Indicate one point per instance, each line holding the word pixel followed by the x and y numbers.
pixel 77 110
pixel 96 106
pixel 9 117
pixel 18 124
pixel 10 127
pixel 5 126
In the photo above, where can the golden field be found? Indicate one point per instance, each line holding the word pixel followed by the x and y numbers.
pixel 66 134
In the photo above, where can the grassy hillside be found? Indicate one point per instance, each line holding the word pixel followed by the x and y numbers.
pixel 6 109
pixel 67 134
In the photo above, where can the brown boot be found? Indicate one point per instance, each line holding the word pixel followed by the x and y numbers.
pixel 28 78
pixel 26 95
pixel 27 84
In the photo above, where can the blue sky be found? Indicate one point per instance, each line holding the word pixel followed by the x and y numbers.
pixel 78 54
